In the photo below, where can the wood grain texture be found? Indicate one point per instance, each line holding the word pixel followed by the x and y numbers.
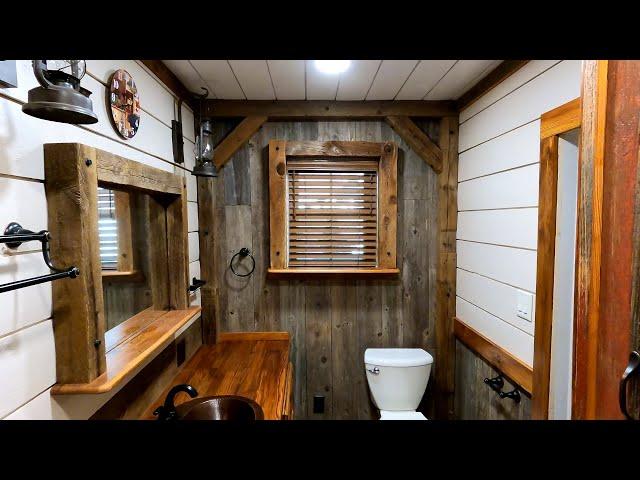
pixel 118 172
pixel 334 149
pixel 389 310
pixel 72 204
pixel 207 240
pixel 545 275
pixel 446 272
pixel 620 191
pixel 125 239
pixel 236 139
pixel 417 140
pixel 493 78
pixel 158 249
pixel 326 110
pixel 129 355
pixel 589 237
pixel 277 203
pixel 475 400
pixel 143 389
pixel 177 258
pixel 562 119
pixel 495 355
pixel 256 369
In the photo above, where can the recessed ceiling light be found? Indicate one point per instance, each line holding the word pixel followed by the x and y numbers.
pixel 332 66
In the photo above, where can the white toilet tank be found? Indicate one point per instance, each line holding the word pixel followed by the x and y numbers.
pixel 397 376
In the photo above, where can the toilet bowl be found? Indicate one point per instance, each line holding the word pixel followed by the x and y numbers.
pixel 397 380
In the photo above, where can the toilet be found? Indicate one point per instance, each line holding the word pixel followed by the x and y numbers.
pixel 397 380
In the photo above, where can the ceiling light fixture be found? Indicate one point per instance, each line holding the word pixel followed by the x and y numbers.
pixel 333 67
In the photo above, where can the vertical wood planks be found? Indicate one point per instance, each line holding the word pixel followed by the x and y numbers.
pixel 318 346
pixel 277 203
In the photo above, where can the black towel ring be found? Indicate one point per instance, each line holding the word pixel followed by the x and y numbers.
pixel 244 252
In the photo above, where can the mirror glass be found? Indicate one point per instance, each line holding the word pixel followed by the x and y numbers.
pixel 123 224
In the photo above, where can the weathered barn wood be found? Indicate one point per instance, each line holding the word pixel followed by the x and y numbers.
pixel 331 321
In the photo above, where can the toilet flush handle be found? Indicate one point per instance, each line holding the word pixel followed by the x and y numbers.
pixel 374 370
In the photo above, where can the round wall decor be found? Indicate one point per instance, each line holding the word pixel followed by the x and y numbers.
pixel 124 103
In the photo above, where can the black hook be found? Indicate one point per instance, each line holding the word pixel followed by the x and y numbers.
pixel 495 383
pixel 513 395
pixel 244 252
pixel 196 284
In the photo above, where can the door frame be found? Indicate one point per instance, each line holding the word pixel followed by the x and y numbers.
pixel 553 123
pixel 607 209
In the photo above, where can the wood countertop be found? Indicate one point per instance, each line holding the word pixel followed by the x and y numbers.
pixel 253 365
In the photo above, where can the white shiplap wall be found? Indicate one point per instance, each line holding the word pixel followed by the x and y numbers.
pixel 27 355
pixel 498 199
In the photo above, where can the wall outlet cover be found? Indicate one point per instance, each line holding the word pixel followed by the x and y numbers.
pixel 524 307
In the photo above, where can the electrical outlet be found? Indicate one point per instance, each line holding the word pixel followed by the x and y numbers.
pixel 180 352
pixel 318 404
pixel 524 307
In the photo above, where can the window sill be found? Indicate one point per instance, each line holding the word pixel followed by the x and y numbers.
pixel 358 272
pixel 117 276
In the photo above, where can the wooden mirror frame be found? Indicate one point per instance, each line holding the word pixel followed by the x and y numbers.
pixel 72 174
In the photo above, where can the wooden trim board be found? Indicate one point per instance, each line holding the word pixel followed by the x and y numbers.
pixel 553 123
pixel 252 336
pixel 496 356
pixel 494 78
pixel 417 140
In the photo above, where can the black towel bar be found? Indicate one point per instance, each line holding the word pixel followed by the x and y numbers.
pixel 14 236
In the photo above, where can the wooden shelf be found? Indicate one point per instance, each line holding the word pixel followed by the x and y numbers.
pixel 359 272
pixel 494 355
pixel 133 350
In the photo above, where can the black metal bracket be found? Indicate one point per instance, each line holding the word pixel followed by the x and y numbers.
pixel 243 253
pixel 497 384
pixel 196 284
pixel 14 236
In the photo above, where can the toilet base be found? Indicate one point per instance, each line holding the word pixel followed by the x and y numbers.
pixel 401 415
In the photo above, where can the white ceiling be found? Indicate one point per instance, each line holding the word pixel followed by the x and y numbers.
pixel 299 79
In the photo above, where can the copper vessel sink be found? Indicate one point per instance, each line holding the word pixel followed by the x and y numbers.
pixel 220 407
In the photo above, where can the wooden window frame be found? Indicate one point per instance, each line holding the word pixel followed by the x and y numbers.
pixel 72 174
pixel 386 153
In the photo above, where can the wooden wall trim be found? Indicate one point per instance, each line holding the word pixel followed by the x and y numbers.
pixel 446 270
pixel 495 77
pixel 562 119
pixel 417 140
pixel 545 271
pixel 172 82
pixel 496 356
pixel 207 237
pixel 277 178
pixel 327 109
pixel 588 237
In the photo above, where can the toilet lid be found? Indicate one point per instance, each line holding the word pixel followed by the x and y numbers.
pixel 388 415
pixel 397 357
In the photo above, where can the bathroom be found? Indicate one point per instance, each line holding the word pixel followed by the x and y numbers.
pixel 473 282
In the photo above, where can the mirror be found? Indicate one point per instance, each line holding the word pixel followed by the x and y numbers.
pixel 123 226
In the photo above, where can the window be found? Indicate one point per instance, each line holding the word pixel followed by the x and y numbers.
pixel 333 207
pixel 115 233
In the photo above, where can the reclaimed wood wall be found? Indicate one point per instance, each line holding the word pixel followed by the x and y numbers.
pixel 331 321
pixel 474 400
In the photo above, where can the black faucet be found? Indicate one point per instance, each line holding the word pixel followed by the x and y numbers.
pixel 168 410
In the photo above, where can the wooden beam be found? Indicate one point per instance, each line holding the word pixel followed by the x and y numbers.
pixel 562 119
pixel 446 269
pixel 496 76
pixel 495 355
pixel 172 82
pixel 327 109
pixel 236 139
pixel 589 237
pixel 207 236
pixel 417 140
